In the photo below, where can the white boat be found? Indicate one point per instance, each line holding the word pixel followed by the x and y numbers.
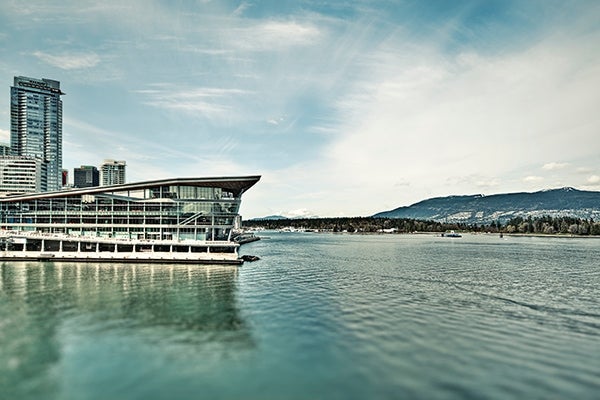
pixel 245 237
pixel 180 220
pixel 451 234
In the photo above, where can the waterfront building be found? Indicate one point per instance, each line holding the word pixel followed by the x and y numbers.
pixel 112 172
pixel 169 220
pixel 36 125
pixel 86 176
pixel 20 175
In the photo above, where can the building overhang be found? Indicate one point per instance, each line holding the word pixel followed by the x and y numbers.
pixel 236 184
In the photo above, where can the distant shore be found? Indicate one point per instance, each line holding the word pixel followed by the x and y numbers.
pixel 553 235
pixel 497 234
pixel 545 226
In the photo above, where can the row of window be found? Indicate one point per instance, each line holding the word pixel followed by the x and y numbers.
pixel 116 205
pixel 141 233
pixel 114 220
pixel 145 208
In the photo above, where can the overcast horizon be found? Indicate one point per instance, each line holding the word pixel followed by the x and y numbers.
pixel 343 108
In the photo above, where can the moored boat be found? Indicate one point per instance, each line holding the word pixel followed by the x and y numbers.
pixel 246 237
pixel 451 234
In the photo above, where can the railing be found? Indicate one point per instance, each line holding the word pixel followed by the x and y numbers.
pixel 66 236
pixel 192 218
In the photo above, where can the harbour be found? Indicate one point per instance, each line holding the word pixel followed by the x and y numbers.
pixel 352 316
pixel 420 185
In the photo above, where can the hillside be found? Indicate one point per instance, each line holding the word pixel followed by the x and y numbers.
pixel 482 209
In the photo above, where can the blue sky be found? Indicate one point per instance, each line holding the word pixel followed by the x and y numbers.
pixel 345 108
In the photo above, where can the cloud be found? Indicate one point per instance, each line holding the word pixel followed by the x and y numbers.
pixel 84 135
pixel 85 143
pixel 69 61
pixel 274 35
pixel 239 11
pixel 427 116
pixel 210 102
pixel 533 179
pixel 584 170
pixel 4 136
pixel 554 166
pixel 298 213
pixel 475 181
pixel 280 121
pixel 594 179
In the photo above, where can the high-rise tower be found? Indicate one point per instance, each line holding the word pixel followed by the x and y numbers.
pixel 86 176
pixel 36 125
pixel 112 172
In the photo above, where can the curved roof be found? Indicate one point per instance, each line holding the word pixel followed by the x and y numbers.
pixel 235 184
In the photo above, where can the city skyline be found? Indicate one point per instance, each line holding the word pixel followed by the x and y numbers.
pixel 344 110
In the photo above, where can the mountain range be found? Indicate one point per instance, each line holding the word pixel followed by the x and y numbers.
pixel 481 209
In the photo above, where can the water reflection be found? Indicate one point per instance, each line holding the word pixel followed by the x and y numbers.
pixel 48 309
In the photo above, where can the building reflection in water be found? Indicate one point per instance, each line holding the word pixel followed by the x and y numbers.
pixel 45 305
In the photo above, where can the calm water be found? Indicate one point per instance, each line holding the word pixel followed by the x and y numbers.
pixel 320 316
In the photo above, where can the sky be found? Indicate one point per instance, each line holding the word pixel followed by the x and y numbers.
pixel 345 108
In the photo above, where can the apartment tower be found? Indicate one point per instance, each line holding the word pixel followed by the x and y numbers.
pixel 36 126
pixel 112 172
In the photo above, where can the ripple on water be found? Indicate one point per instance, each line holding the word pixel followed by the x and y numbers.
pixel 336 316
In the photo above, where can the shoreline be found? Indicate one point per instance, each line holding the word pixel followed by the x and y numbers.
pixel 541 235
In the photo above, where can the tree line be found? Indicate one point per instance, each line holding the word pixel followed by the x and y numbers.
pixel 538 225
pixel 552 225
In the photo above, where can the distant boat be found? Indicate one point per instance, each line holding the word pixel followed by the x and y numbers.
pixel 246 237
pixel 451 234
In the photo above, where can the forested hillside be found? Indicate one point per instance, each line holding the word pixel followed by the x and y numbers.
pixel 480 209
pixel 540 225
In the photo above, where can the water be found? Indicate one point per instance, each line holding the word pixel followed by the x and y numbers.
pixel 320 316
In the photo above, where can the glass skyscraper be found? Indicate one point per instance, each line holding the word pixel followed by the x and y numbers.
pixel 36 125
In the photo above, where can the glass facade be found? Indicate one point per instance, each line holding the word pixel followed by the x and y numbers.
pixel 36 125
pixel 177 210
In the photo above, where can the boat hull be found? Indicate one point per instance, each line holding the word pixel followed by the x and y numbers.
pixel 154 258
pixel 35 247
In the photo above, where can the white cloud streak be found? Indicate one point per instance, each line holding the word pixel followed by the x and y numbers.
pixel 554 166
pixel 273 36
pixel 212 103
pixel 4 136
pixel 594 179
pixel 533 179
pixel 69 61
